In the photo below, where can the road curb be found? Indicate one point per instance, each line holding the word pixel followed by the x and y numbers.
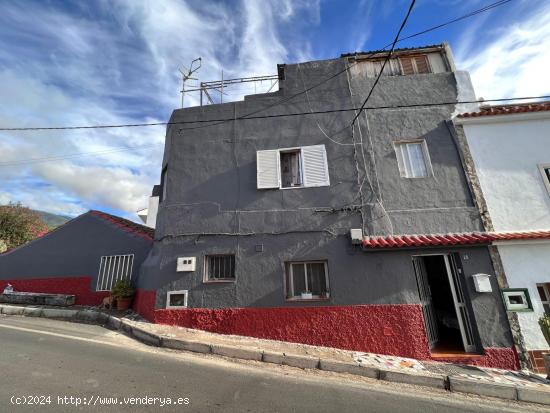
pixel 450 383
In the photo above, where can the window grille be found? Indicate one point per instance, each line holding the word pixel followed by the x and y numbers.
pixel 220 267
pixel 113 268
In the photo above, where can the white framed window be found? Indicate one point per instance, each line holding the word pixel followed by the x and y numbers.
pixel 413 159
pixel 411 65
pixel 306 280
pixel 285 168
pixel 113 268
pixel 544 294
pixel 220 267
pixel 545 172
pixel 517 299
pixel 177 299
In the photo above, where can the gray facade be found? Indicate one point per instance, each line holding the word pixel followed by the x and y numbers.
pixel 213 206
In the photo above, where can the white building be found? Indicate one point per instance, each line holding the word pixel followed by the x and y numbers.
pixel 510 148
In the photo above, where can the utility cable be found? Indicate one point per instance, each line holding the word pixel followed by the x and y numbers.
pixel 248 116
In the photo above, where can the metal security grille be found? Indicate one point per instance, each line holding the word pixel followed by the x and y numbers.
pixel 113 268
pixel 220 267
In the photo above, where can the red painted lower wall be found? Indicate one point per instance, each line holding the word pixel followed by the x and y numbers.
pixel 383 329
pixel 80 286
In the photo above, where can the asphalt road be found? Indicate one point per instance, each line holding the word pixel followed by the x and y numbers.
pixel 40 357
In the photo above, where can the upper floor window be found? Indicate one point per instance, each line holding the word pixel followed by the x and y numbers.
pixel 413 159
pixel 545 171
pixel 544 294
pixel 411 65
pixel 300 167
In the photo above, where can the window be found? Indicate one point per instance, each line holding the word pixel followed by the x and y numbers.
pixel 163 183
pixel 414 64
pixel 301 167
pixel 545 172
pixel 113 268
pixel 544 294
pixel 176 299
pixel 291 169
pixel 413 159
pixel 219 268
pixel 517 299
pixel 307 280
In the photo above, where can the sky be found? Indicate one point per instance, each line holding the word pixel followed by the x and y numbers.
pixel 116 62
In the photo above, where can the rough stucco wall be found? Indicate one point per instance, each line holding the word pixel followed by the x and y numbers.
pixel 382 329
pixel 525 266
pixel 523 203
pixel 74 249
pixel 79 286
pixel 213 205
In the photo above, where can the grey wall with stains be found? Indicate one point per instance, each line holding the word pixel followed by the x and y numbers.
pixel 213 205
pixel 73 250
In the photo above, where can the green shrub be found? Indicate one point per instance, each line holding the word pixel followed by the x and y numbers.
pixel 123 289
pixel 544 323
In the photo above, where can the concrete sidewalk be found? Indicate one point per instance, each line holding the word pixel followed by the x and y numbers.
pixel 505 384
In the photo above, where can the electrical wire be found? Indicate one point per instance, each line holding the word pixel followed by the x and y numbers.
pixel 465 16
pixel 280 115
pixel 389 107
pixel 386 60
pixel 248 116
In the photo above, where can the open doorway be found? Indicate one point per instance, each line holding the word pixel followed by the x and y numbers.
pixel 443 304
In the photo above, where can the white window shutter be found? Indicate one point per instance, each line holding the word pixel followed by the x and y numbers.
pixel 315 166
pixel 267 169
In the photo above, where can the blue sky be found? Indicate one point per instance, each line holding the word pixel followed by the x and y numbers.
pixel 108 62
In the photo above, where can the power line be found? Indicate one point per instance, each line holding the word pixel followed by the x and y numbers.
pixel 388 107
pixel 318 112
pixel 403 23
pixel 373 54
pixel 465 16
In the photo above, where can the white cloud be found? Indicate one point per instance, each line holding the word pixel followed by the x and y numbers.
pixel 121 66
pixel 514 62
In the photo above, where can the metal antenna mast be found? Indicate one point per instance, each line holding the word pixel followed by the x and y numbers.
pixel 185 76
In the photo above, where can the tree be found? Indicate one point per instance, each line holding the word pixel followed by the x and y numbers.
pixel 18 225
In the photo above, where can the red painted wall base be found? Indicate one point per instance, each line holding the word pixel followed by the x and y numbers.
pixel 383 329
pixel 79 286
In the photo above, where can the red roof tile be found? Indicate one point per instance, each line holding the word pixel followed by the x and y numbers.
pixel 465 238
pixel 127 225
pixel 508 109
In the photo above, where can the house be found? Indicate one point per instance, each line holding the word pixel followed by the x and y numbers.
pixel 308 227
pixel 508 150
pixel 84 257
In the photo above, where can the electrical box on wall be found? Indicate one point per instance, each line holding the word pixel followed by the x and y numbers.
pixel 482 283
pixel 186 264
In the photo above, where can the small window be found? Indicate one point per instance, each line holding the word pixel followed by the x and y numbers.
pixel 307 280
pixel 415 64
pixel 163 183
pixel 413 159
pixel 517 299
pixel 545 172
pixel 291 169
pixel 544 294
pixel 220 268
pixel 113 268
pixel 301 167
pixel 177 299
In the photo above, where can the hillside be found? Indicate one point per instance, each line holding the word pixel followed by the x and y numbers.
pixel 52 220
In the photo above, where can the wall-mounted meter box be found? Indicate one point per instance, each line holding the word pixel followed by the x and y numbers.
pixel 482 283
pixel 186 264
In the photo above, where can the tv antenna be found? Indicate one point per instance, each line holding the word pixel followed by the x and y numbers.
pixel 187 75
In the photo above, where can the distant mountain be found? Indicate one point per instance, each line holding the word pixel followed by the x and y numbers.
pixel 52 220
